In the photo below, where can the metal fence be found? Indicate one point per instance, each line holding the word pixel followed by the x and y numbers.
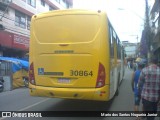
pixel 5 68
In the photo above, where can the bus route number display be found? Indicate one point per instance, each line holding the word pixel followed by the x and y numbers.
pixel 81 73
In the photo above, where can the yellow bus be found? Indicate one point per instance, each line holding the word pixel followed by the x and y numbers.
pixel 74 54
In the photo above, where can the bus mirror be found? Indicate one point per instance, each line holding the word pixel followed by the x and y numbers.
pixel 125 55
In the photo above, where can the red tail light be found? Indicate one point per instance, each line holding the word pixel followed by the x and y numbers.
pixel 101 76
pixel 31 74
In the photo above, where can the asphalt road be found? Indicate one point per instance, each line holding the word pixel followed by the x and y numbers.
pixel 20 100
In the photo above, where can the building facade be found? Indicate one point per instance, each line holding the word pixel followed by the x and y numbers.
pixel 131 50
pixel 15 18
pixel 155 18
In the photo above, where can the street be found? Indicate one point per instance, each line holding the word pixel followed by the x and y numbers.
pixel 20 100
pixel 77 49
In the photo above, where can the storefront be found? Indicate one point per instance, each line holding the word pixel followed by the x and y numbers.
pixel 13 45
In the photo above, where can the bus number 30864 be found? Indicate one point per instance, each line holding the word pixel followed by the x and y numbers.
pixel 81 73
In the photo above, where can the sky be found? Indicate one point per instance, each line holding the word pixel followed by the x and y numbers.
pixel 126 16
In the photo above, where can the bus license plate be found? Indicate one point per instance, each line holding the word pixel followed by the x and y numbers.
pixel 64 80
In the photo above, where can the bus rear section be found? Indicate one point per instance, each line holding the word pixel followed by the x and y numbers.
pixel 65 56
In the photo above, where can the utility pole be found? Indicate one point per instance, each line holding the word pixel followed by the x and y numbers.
pixel 147 29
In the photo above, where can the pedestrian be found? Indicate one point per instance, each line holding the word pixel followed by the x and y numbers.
pixel 150 81
pixel 131 65
pixel 135 66
pixel 135 78
pixel 128 64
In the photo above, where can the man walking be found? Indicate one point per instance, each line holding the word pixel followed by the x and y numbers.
pixel 150 81
pixel 135 78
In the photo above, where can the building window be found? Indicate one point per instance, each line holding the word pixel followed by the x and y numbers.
pixel 24 0
pixel 20 19
pixel 28 22
pixel 42 3
pixel 32 3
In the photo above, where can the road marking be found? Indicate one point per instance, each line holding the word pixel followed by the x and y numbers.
pixel 29 107
pixel 34 104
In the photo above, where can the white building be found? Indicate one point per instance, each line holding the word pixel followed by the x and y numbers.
pixel 15 17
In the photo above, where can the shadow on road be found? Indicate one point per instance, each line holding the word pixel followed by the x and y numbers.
pixel 80 105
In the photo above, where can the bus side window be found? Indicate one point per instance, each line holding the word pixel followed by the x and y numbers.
pixel 118 49
pixel 111 42
pixel 115 45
